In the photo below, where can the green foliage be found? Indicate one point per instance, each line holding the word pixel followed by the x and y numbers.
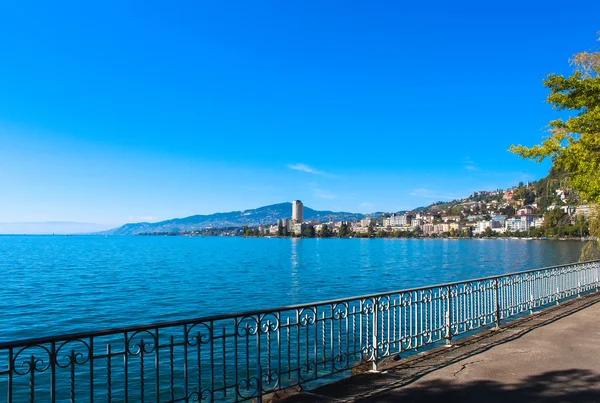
pixel 345 230
pixel 455 210
pixel 524 194
pixel 488 232
pixel 508 211
pixel 556 218
pixel 371 230
pixel 573 144
pixel 324 232
pixel 309 231
pixel 546 189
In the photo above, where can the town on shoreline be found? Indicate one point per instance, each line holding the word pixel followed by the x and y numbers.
pixel 536 210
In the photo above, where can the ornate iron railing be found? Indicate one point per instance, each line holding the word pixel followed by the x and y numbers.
pixel 242 356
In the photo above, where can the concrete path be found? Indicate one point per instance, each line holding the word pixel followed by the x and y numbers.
pixel 551 356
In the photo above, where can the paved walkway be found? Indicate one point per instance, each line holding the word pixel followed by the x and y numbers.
pixel 551 356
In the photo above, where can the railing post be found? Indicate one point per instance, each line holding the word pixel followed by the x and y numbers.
pixel 531 304
pixel 597 265
pixel 375 332
pixel 448 318
pixel 259 383
pixel 497 298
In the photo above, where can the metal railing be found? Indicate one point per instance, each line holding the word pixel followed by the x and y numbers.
pixel 240 357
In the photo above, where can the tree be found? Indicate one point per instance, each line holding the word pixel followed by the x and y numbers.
pixel 280 228
pixel 573 144
pixel 344 231
pixel 324 232
pixel 309 231
pixel 370 230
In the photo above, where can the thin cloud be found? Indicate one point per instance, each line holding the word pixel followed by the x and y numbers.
pixel 430 194
pixel 305 168
pixel 367 205
pixel 469 164
pixel 323 194
pixel 144 218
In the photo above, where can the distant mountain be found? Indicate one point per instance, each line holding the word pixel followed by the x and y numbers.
pixel 50 227
pixel 262 215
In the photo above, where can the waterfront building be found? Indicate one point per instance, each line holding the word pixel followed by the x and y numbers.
pixel 482 225
pixel 429 229
pixel 365 222
pixel 297 228
pixel 416 222
pixel 297 211
pixel 521 223
pixel 394 220
pixel 450 218
pixel 525 210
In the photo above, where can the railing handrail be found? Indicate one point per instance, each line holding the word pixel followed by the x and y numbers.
pixel 218 317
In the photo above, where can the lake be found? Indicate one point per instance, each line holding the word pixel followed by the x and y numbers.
pixel 63 284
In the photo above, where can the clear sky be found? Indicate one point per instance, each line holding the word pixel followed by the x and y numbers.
pixel 116 111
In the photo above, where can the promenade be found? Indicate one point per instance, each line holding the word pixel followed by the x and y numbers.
pixel 550 356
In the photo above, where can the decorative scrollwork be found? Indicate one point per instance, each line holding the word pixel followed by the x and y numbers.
pixel 68 353
pixel 383 347
pixel 407 299
pixel 205 395
pixel 25 360
pixel 444 293
pixel 307 316
pixel 427 296
pixel 137 343
pixel 199 333
pixel 269 323
pixel 306 369
pixel 247 388
pixel 340 311
pixel 384 304
pixel 368 307
pixel 340 361
pixel 270 381
pixel 368 352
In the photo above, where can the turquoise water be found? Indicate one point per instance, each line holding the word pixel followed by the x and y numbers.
pixel 60 284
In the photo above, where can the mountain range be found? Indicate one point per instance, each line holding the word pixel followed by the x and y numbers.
pixel 254 217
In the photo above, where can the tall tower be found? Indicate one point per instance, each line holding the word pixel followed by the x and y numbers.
pixel 297 211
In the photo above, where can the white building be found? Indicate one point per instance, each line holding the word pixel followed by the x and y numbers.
pixel 397 220
pixel 365 222
pixel 297 211
pixel 521 223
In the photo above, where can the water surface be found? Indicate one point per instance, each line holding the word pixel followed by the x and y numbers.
pixel 64 284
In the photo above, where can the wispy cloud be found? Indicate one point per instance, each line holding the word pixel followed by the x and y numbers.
pixel 367 205
pixel 143 218
pixel 469 164
pixel 323 194
pixel 305 168
pixel 431 194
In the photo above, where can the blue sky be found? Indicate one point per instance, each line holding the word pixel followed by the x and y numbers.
pixel 112 112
